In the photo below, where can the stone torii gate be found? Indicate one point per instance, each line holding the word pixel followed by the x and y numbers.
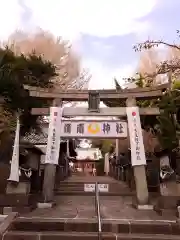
pixel 130 96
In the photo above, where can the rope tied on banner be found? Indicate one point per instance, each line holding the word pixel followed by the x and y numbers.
pixel 27 172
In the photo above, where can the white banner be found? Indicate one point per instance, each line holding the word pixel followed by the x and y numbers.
pixel 14 172
pixel 135 134
pixel 54 135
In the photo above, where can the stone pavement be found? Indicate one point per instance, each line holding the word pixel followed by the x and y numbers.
pixel 75 186
pixel 83 207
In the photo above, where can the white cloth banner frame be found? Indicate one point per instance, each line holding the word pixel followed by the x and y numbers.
pixel 93 129
pixel 54 136
pixel 14 172
pixel 136 139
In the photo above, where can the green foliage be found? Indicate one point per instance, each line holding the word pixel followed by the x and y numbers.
pixel 139 80
pixel 169 128
pixel 165 126
pixel 176 84
pixel 104 145
pixel 15 71
pixel 166 130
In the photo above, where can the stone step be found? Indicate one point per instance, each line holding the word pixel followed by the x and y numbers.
pixel 90 225
pixel 16 235
pixel 21 210
pixel 111 188
pixel 71 187
pixel 118 184
pixel 82 193
pixel 85 181
pixel 116 189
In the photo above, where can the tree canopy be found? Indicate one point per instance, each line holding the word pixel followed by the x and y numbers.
pixel 167 124
pixel 105 145
pixel 15 71
pixel 37 59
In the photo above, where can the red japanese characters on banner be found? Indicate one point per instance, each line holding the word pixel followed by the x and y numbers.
pixel 136 137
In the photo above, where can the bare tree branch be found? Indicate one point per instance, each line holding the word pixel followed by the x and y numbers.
pixel 153 67
pixel 151 43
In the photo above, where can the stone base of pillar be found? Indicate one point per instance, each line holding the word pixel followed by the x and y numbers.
pixel 138 206
pixel 49 183
pixel 145 207
pixel 18 188
pixel 16 198
pixel 142 193
pixel 171 188
pixel 45 205
pixel 20 209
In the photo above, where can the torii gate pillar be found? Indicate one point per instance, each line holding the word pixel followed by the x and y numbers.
pixel 142 193
pixel 49 176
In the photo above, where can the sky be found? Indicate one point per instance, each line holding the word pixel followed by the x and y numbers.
pixel 103 32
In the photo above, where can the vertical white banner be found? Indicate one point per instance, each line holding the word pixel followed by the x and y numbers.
pixel 106 163
pixel 14 172
pixel 54 138
pixel 135 134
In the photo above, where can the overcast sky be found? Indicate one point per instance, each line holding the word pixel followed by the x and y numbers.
pixel 102 31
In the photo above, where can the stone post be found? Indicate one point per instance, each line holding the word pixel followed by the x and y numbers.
pixel 50 175
pixel 117 148
pixel 142 193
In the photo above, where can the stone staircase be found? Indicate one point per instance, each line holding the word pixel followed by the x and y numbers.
pixel 77 188
pixel 83 229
